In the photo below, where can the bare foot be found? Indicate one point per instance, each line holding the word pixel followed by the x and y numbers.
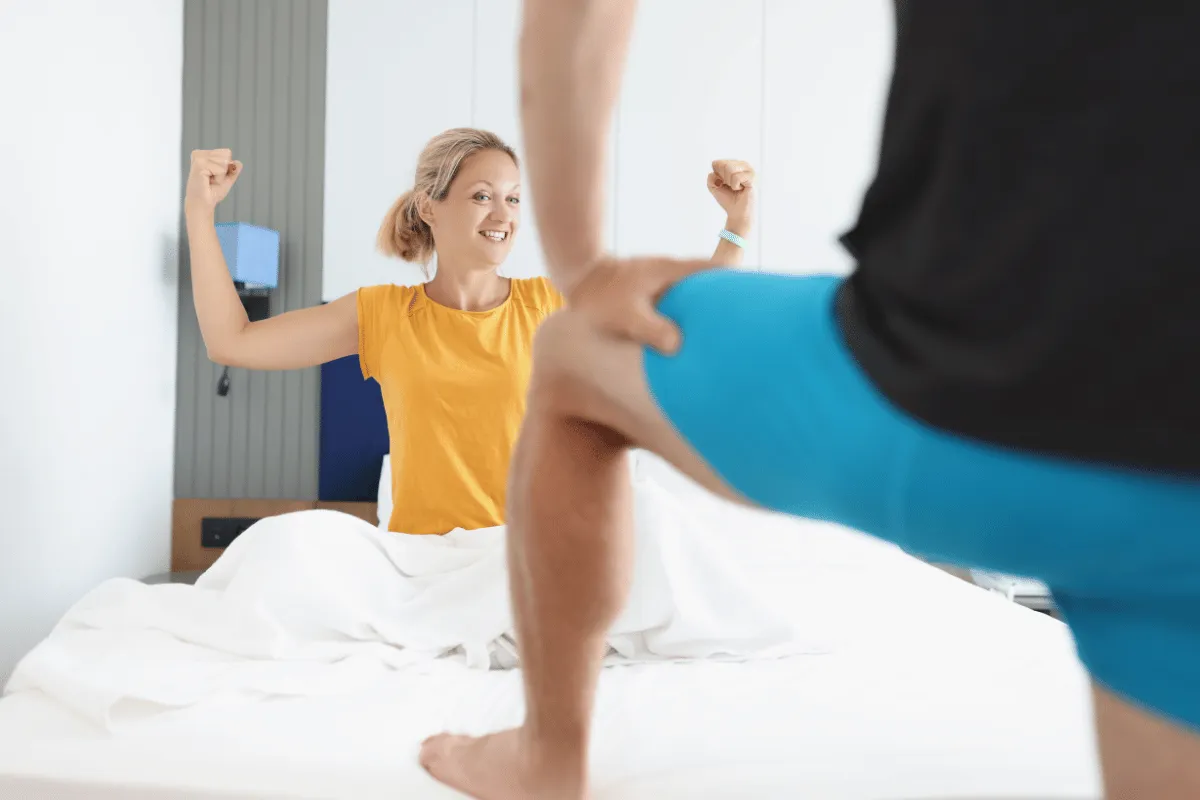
pixel 504 766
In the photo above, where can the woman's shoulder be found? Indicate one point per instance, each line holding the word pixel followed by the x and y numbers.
pixel 384 297
pixel 538 292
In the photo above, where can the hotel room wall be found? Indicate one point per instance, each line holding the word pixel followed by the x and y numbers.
pixel 254 81
pixel 88 313
pixel 795 86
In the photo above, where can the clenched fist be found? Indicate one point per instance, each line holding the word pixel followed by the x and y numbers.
pixel 732 184
pixel 212 175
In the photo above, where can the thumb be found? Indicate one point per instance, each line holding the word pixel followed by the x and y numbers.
pixel 653 329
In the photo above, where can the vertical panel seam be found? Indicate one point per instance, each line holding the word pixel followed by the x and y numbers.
pixel 762 134
pixel 474 59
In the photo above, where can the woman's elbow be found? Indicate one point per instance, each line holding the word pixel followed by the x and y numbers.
pixel 222 354
pixel 218 357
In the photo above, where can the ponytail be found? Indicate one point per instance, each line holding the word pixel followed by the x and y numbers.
pixel 404 234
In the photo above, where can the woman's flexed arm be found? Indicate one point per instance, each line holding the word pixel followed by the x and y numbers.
pixel 301 338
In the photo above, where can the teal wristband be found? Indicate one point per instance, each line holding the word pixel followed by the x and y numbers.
pixel 730 236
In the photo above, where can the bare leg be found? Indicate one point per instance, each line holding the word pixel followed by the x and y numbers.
pixel 1143 755
pixel 570 529
pixel 570 550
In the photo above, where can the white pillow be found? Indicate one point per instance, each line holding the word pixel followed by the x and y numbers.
pixel 383 512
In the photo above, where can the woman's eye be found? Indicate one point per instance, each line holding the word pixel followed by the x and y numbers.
pixel 481 197
pixel 514 200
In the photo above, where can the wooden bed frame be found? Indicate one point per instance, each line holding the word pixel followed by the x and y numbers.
pixel 187 552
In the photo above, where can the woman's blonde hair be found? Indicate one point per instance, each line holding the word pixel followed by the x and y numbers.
pixel 403 233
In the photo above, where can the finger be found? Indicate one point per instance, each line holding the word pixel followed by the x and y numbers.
pixel 653 329
pixel 714 181
pixel 200 160
pixel 741 179
pixel 220 170
pixel 206 168
pixel 234 171
pixel 731 170
pixel 213 167
pixel 724 166
pixel 204 155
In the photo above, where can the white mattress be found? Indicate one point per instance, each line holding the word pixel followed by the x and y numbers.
pixel 936 689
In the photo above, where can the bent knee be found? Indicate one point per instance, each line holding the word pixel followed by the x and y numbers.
pixel 561 346
pixel 583 373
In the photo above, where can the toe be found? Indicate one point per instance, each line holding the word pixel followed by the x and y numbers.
pixel 434 749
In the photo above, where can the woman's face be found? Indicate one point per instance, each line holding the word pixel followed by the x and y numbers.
pixel 476 222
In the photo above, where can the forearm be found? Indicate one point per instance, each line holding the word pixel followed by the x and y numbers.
pixel 572 55
pixel 727 253
pixel 219 310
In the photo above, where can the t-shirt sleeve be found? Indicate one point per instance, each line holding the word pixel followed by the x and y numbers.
pixel 550 299
pixel 374 302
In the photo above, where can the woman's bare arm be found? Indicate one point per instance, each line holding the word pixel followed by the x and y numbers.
pixel 302 338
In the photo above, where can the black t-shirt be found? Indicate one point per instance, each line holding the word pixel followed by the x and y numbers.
pixel 1028 257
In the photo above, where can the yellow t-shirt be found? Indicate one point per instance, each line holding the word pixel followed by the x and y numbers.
pixel 454 385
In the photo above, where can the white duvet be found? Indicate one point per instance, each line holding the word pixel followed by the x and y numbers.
pixel 319 602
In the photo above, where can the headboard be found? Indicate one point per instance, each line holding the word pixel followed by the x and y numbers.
pixel 354 435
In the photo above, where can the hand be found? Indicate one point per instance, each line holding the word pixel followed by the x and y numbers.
pixel 619 297
pixel 732 184
pixel 212 175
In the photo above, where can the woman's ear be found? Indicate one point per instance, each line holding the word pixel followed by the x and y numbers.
pixel 425 209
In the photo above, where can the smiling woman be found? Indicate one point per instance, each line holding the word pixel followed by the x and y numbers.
pixel 452 355
pixel 454 352
pixel 464 206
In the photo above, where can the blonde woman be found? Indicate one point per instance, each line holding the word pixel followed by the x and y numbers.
pixel 452 355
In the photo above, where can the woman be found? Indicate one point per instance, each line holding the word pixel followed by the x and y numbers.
pixel 451 355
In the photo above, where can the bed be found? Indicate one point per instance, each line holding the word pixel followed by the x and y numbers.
pixel 933 689
pixel 936 690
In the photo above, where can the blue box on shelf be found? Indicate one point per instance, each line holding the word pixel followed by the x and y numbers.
pixel 252 253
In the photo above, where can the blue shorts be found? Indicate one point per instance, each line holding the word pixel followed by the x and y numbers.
pixel 765 389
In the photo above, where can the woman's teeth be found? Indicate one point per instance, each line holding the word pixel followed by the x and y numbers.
pixel 495 236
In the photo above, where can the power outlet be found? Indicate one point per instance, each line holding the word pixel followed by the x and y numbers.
pixel 221 531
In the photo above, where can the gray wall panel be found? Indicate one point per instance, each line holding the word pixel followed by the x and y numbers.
pixel 254 81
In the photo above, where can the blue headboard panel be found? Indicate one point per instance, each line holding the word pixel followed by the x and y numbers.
pixel 354 436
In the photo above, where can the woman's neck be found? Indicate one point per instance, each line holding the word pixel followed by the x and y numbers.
pixel 475 290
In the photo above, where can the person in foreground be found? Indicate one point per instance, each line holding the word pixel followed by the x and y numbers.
pixel 453 353
pixel 1007 380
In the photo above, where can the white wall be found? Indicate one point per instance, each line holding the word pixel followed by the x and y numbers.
pixel 88 239
pixel 794 86
pixel 692 93
pixel 826 68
